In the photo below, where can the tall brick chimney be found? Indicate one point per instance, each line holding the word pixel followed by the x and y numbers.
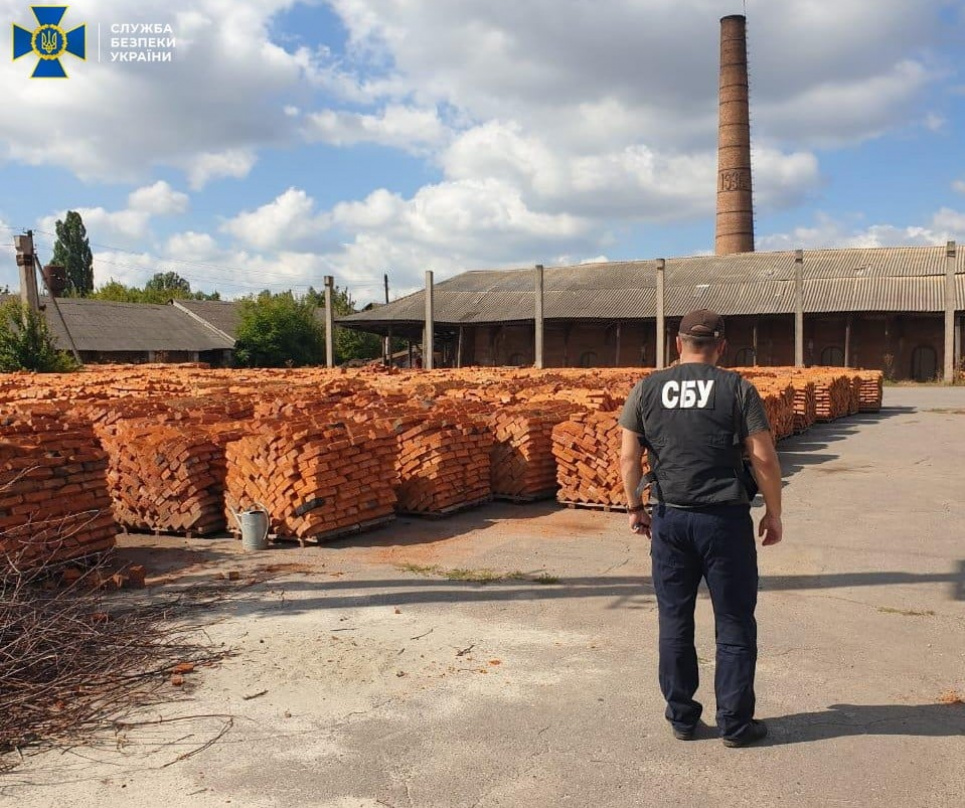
pixel 735 205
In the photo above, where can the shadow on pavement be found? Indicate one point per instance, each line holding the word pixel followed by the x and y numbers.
pixel 848 720
pixel 624 592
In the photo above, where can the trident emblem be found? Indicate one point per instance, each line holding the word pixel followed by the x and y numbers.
pixel 48 42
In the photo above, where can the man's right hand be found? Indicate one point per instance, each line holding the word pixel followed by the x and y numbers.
pixel 771 529
pixel 640 523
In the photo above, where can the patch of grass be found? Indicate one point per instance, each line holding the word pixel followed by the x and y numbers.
pixel 473 576
pixel 476 576
pixel 906 612
pixel 415 569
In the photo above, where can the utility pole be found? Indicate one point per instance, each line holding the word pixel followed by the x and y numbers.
pixel 661 314
pixel 26 263
pixel 540 322
pixel 799 309
pixel 53 300
pixel 428 341
pixel 329 322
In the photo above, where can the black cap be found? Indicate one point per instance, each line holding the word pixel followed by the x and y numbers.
pixel 702 324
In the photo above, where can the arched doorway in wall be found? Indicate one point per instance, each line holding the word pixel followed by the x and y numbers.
pixel 832 357
pixel 924 364
pixel 744 358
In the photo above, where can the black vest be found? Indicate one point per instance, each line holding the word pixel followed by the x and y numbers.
pixel 691 419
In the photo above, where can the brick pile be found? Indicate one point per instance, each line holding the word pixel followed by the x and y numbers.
pixel 166 479
pixel 833 394
pixel 587 452
pixel 805 405
pixel 778 397
pixel 871 391
pixel 523 465
pixel 315 479
pixel 443 465
pixel 430 442
pixel 54 502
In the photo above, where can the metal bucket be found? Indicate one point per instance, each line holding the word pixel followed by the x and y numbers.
pixel 254 529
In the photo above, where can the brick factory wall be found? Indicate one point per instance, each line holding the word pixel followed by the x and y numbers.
pixel 574 345
pixel 884 342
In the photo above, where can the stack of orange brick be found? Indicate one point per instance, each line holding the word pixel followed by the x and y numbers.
pixel 316 480
pixel 166 479
pixel 587 451
pixel 443 465
pixel 778 397
pixel 54 503
pixel 523 465
pixel 442 460
pixel 805 404
pixel 871 390
pixel 833 393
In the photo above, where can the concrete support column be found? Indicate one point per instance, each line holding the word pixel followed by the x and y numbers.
pixel 540 322
pixel 950 266
pixel 799 309
pixel 847 340
pixel 661 314
pixel 757 325
pixel 958 342
pixel 428 340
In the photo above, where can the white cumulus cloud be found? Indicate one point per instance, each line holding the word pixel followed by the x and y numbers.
pixel 406 128
pixel 288 219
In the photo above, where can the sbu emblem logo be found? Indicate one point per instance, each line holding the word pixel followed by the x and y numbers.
pixel 49 41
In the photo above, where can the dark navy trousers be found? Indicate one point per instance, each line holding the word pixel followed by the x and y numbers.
pixel 717 544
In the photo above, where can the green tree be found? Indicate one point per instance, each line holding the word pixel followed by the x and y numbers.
pixel 168 283
pixel 349 344
pixel 72 250
pixel 161 288
pixel 26 342
pixel 279 330
pixel 117 292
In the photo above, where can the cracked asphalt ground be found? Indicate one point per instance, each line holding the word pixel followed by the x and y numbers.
pixel 364 677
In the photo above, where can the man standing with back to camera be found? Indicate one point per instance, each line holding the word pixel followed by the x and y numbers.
pixel 696 421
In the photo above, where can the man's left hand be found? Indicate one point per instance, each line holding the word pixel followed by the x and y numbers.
pixel 640 523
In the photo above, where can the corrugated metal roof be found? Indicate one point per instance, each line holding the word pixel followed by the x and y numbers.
pixel 878 279
pixel 106 326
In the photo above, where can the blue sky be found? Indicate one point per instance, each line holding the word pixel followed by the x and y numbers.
pixel 290 140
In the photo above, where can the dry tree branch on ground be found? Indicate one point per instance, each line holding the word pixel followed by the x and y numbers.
pixel 75 660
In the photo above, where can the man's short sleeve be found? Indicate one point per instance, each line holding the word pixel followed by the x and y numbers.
pixel 632 416
pixel 753 414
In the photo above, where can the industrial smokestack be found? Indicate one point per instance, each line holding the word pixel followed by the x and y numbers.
pixel 735 205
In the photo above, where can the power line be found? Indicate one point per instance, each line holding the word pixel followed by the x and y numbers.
pixel 224 275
